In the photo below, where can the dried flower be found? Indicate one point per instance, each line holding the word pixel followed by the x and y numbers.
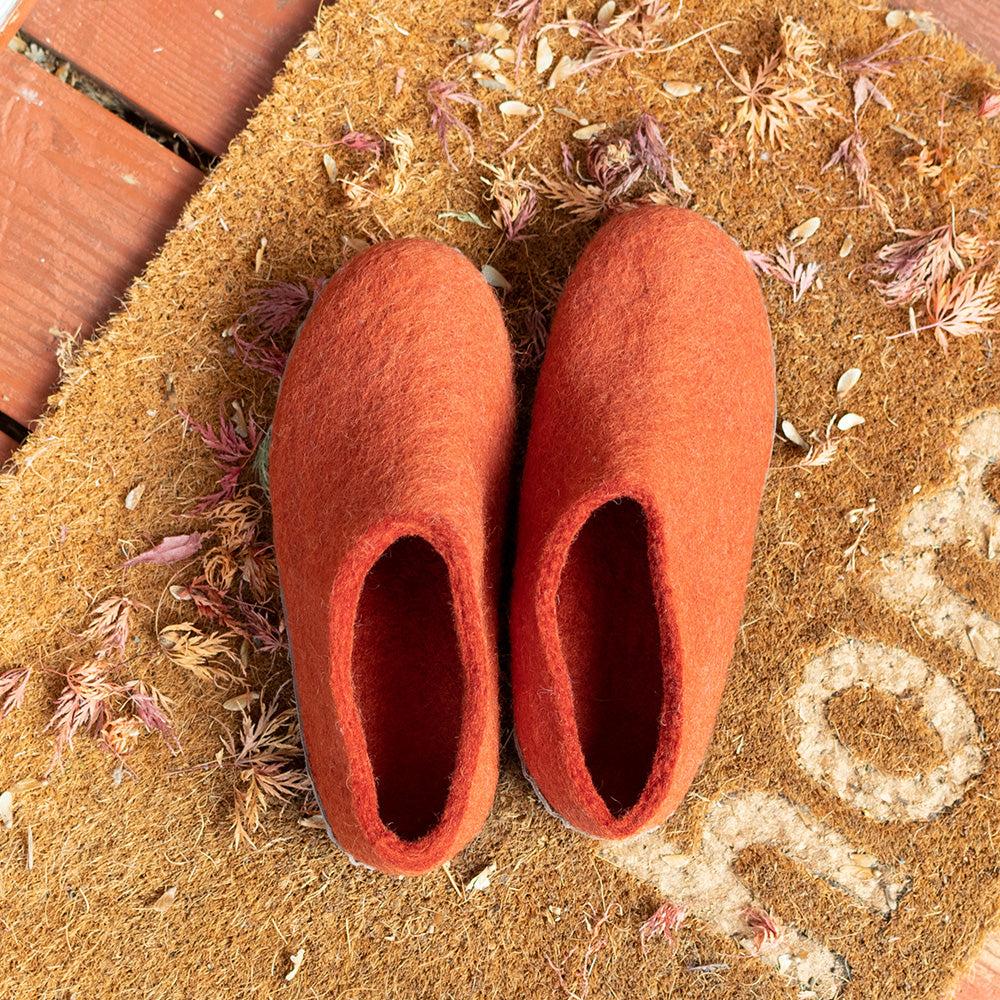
pixel 915 265
pixel 267 754
pixel 515 199
pixel 664 922
pixel 874 63
pixel 774 102
pixel 121 735
pixel 231 451
pixel 13 685
pixel 443 94
pixel 784 266
pixel 851 153
pixel 989 106
pixel 963 306
pixel 765 927
pixel 188 647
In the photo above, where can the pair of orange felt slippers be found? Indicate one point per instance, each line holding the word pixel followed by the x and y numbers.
pixel 650 438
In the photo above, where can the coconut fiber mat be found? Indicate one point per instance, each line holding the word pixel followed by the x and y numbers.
pixel 840 839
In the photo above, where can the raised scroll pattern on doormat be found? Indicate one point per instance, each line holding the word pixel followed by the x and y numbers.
pixel 876 792
pixel 960 514
pixel 706 884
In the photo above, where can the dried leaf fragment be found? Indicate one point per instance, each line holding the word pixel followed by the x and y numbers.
pixel 296 961
pixel 172 549
pixel 166 900
pixel 848 381
pixel 482 881
pixel 134 495
pixel 241 702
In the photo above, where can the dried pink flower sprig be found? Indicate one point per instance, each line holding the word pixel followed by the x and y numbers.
pixel 946 275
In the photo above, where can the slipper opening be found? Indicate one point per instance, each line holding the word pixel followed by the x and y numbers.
pixel 610 639
pixel 408 682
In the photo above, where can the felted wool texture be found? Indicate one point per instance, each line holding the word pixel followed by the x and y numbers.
pixel 389 468
pixel 650 440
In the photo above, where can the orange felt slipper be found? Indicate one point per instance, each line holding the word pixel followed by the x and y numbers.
pixel 650 439
pixel 389 467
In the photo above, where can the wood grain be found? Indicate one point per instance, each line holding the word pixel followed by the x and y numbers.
pixel 198 67
pixel 85 199
pixel 975 22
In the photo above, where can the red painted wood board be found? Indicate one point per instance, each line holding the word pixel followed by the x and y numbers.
pixel 12 13
pixel 85 199
pixel 199 66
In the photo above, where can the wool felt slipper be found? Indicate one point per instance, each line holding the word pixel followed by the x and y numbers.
pixel 650 440
pixel 389 467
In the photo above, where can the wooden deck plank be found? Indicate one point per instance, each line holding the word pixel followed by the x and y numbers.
pixel 976 22
pixel 85 199
pixel 12 13
pixel 198 67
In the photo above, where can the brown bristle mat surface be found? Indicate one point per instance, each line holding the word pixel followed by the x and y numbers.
pixel 840 839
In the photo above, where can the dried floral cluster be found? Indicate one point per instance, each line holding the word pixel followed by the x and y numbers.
pixel 100 695
pixel 782 92
pixel 951 278
pixel 614 163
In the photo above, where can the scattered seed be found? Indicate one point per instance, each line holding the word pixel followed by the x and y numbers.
pixel 675 860
pixel 516 108
pixel 493 30
pixel 259 259
pixel 313 822
pixel 896 18
pixel 605 14
pixel 489 83
pixel 858 872
pixel 993 545
pixel 485 62
pixel 505 84
pixel 331 167
pixel 495 278
pixel 7 810
pixel 506 55
pixel 681 88
pixel 864 860
pixel 166 900
pixel 296 961
pixel 27 785
pixel 788 429
pixel 847 246
pixel 848 381
pixel 564 68
pixel 566 113
pixel 240 702
pixel 804 230
pixel 981 646
pixel 573 29
pixel 543 55
pixel 134 495
pixel 589 131
pixel 849 420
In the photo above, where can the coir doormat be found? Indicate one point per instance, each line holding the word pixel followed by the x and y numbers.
pixel 840 839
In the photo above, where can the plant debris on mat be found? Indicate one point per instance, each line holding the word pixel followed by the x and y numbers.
pixel 839 840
